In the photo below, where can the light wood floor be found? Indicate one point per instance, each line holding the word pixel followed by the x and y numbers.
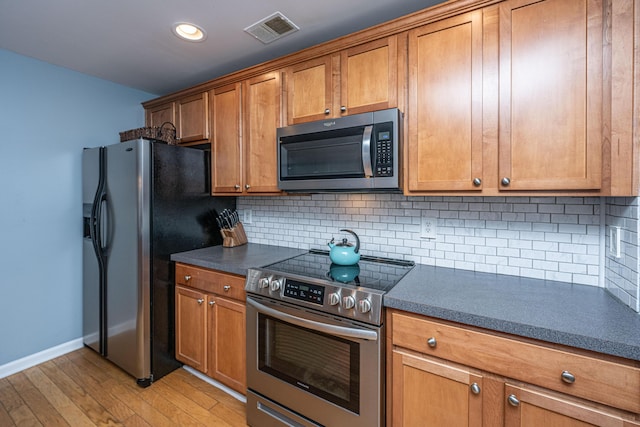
pixel 83 389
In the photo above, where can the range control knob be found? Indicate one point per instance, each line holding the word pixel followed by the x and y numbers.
pixel 334 298
pixel 275 284
pixel 348 302
pixel 364 306
pixel 263 282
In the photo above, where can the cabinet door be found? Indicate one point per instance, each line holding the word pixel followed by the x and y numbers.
pixel 427 393
pixel 226 149
pixel 550 94
pixel 227 346
pixel 158 115
pixel 192 123
pixel 368 77
pixel 190 328
pixel 445 105
pixel 533 408
pixel 262 116
pixel 310 90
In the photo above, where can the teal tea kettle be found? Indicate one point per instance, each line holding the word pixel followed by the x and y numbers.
pixel 344 253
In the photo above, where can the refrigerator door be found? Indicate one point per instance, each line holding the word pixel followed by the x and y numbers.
pixel 128 253
pixel 91 273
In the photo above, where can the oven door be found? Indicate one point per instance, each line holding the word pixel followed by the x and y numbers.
pixel 326 370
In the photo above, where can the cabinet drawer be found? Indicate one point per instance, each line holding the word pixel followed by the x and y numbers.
pixel 596 379
pixel 211 281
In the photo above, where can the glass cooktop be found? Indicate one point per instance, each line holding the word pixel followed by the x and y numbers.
pixel 375 273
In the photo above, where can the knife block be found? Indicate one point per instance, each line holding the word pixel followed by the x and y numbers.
pixel 232 237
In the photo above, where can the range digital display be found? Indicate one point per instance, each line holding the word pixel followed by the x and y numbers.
pixel 304 291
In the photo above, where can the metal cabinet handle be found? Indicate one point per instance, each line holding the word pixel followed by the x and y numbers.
pixel 327 111
pixel 505 181
pixel 568 377
pixel 475 388
pixel 237 186
pixel 477 182
pixel 513 400
pixel 211 302
pixel 431 342
pixel 343 108
pixel 226 288
pixel 247 186
pixel 200 301
pixel 187 278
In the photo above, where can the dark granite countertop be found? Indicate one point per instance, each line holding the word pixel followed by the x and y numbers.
pixel 238 259
pixel 580 316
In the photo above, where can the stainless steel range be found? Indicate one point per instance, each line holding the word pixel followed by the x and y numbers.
pixel 315 341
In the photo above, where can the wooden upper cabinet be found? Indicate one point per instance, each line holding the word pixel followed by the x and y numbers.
pixel 310 90
pixel 551 79
pixel 226 142
pixel 244 118
pixel 157 116
pixel 262 116
pixel 444 141
pixel 192 121
pixel 356 80
pixel 368 77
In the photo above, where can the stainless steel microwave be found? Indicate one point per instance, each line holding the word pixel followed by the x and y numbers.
pixel 352 154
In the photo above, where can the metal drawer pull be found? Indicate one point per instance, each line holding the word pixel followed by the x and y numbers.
pixel 200 300
pixel 187 278
pixel 226 288
pixel 431 342
pixel 505 181
pixel 513 400
pixel 475 388
pixel 568 377
pixel 211 302
pixel 477 182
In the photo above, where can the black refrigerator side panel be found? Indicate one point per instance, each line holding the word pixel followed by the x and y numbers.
pixel 183 218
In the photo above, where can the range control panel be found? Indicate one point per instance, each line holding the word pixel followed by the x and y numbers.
pixel 328 297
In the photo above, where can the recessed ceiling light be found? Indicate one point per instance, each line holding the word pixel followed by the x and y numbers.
pixel 188 31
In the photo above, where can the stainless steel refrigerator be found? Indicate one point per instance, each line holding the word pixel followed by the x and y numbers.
pixel 142 201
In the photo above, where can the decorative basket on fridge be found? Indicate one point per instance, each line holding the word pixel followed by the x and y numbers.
pixel 166 132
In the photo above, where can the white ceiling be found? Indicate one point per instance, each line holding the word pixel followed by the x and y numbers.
pixel 130 42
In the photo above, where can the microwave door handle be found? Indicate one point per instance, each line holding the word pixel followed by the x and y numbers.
pixel 366 151
pixel 316 326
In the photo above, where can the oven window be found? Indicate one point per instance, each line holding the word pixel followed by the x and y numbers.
pixel 321 364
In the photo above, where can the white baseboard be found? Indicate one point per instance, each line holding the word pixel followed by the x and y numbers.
pixel 40 357
pixel 215 383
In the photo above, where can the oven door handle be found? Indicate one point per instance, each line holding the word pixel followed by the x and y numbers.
pixel 342 331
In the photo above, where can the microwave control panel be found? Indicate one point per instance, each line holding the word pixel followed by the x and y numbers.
pixel 384 150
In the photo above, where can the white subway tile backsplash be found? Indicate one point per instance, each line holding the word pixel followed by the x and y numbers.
pixel 556 238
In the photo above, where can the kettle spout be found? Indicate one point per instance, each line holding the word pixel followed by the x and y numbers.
pixel 331 244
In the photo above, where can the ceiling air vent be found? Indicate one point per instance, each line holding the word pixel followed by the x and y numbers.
pixel 272 28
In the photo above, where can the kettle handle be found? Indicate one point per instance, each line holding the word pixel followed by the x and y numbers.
pixel 357 239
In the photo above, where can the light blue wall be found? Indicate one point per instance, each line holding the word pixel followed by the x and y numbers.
pixel 47 115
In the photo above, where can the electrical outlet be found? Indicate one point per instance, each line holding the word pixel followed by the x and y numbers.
pixel 614 241
pixel 428 227
pixel 247 216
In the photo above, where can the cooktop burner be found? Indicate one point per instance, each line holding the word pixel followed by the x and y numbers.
pixel 375 273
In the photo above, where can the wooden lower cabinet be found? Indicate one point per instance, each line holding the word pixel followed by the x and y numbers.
pixel 226 354
pixel 211 326
pixel 444 374
pixel 428 393
pixel 539 408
